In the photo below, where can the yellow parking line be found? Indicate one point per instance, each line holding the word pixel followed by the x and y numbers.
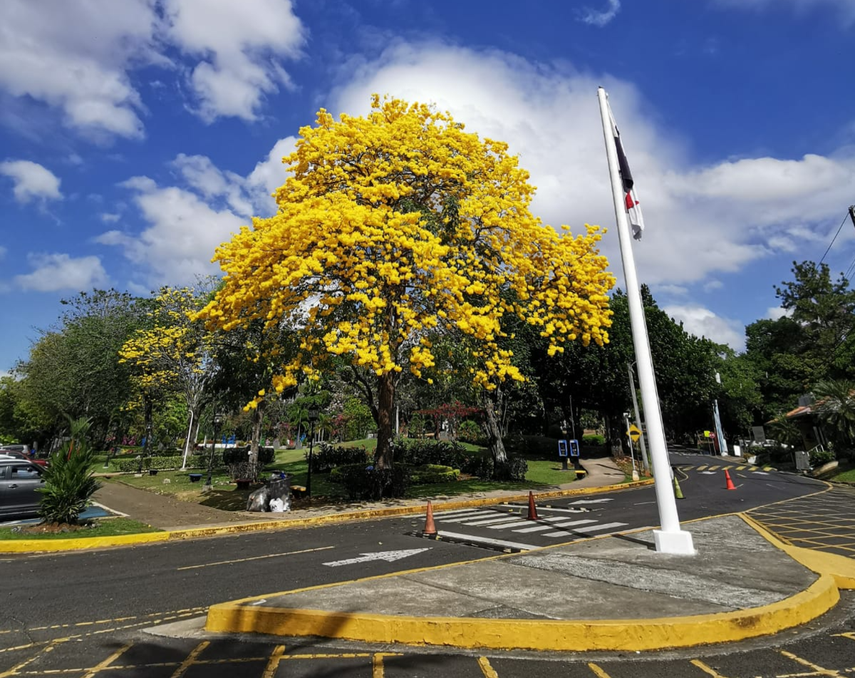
pixel 273 664
pixel 804 662
pixel 191 658
pixel 701 468
pixel 849 634
pixel 753 468
pixel 598 672
pixel 91 673
pixel 486 669
pixel 706 669
pixel 18 667
pixel 741 468
pixel 714 468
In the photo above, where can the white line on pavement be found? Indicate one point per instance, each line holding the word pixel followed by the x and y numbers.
pixel 487 540
pixel 585 530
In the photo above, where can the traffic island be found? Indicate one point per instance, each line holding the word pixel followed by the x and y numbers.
pixel 611 593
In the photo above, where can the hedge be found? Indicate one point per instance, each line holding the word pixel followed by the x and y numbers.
pixel 236 455
pixel 165 463
pixel 365 482
pixel 327 457
pixel 433 473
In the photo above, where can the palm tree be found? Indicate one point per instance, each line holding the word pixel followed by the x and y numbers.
pixel 835 408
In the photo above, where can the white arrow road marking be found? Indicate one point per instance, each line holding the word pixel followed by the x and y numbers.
pixel 388 556
pixel 760 473
pixel 708 473
pixel 590 501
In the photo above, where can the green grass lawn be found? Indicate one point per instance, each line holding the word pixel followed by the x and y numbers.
pixel 845 476
pixel 104 527
pixel 543 473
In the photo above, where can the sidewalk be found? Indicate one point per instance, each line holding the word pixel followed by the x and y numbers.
pixel 611 593
pixel 168 513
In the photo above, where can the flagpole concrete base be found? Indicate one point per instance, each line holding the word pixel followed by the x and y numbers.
pixel 678 543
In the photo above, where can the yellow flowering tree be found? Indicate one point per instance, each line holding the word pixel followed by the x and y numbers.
pixel 395 226
pixel 174 350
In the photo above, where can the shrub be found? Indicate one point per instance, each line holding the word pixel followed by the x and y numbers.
pixel 239 454
pixel 819 457
pixel 514 468
pixel 327 457
pixel 594 440
pixel 469 431
pixel 541 447
pixel 441 452
pixel 366 482
pixel 69 483
pixel 433 473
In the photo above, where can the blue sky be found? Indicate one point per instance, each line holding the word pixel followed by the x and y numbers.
pixel 137 135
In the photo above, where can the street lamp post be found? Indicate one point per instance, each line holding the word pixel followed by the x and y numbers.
pixel 218 421
pixel 312 415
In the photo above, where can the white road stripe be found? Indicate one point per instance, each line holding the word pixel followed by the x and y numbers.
pixel 536 528
pixel 560 510
pixel 510 523
pixel 460 519
pixel 487 540
pixel 573 522
pixel 487 521
pixel 458 512
pixel 585 530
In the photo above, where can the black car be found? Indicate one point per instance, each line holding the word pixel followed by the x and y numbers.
pixel 19 480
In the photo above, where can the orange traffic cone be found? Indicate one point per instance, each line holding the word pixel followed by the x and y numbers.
pixel 730 485
pixel 532 509
pixel 430 527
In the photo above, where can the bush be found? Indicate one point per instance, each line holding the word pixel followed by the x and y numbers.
pixel 433 473
pixel 440 452
pixel 366 482
pixel 514 468
pixel 166 463
pixel 594 440
pixel 237 455
pixel 68 481
pixel 819 457
pixel 541 447
pixel 470 432
pixel 328 457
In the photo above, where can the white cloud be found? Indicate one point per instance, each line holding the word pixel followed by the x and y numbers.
pixel 602 17
pixel 109 218
pixel 846 8
pixel 239 43
pixel 268 175
pixel 54 272
pixel 700 220
pixel 74 55
pixel 713 285
pixel 702 322
pixel 212 183
pixel 673 290
pixel 32 181
pixel 78 56
pixel 181 237
pixel 776 313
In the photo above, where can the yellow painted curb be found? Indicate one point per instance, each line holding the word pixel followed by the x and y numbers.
pixel 51 545
pixel 842 569
pixel 43 545
pixel 526 634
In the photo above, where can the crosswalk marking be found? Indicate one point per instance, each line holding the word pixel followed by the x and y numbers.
pixel 585 530
pixel 487 540
pixel 702 468
pixel 487 521
pixel 461 519
pixel 458 512
pixel 509 523
pixel 536 528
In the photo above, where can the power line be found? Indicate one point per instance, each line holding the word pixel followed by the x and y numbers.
pixel 836 234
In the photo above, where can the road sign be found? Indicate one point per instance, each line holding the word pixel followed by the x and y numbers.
pixel 633 432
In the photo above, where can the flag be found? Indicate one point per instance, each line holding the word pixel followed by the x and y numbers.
pixel 633 209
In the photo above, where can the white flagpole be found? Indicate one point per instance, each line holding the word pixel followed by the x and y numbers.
pixel 670 538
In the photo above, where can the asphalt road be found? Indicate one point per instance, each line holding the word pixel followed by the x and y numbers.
pixel 100 601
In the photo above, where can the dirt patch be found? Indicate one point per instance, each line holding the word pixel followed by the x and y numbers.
pixel 55 528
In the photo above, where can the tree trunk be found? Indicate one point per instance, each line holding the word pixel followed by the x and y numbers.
pixel 188 439
pixel 615 435
pixel 493 404
pixel 385 426
pixel 257 419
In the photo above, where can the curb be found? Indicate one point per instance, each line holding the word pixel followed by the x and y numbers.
pixel 569 636
pixel 45 545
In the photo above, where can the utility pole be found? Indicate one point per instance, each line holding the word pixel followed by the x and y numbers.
pixel 644 461
pixel 852 213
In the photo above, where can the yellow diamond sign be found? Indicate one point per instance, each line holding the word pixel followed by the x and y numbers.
pixel 633 432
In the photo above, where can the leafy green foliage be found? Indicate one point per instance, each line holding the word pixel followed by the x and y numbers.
pixel 362 481
pixel 433 473
pixel 835 407
pixel 69 482
pixel 236 455
pixel 326 457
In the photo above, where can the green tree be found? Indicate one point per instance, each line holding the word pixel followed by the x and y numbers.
pixel 835 407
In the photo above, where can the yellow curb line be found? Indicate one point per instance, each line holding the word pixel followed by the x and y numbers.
pixel 45 545
pixel 584 635
pixel 525 634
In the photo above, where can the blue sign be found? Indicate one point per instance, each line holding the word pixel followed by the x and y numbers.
pixel 562 448
pixel 574 448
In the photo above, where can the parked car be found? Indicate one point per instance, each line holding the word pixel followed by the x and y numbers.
pixel 19 482
pixel 18 454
